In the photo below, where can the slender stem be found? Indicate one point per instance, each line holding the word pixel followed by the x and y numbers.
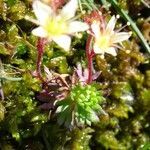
pixel 89 55
pixel 88 45
pixel 90 66
pixel 40 47
pixel 90 70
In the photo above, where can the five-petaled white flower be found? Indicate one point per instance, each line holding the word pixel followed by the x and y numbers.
pixel 57 26
pixel 106 39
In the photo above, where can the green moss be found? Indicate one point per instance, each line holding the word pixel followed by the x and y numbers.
pixel 120 122
pixel 2 112
pixel 108 140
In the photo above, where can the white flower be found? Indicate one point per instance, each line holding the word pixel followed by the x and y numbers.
pixel 106 39
pixel 57 26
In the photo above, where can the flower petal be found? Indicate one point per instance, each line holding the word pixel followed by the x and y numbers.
pixel 77 26
pixel 86 73
pixel 39 31
pixel 112 51
pixel 79 70
pixel 96 29
pixel 121 36
pixel 97 49
pixel 42 11
pixel 111 24
pixel 63 41
pixel 69 9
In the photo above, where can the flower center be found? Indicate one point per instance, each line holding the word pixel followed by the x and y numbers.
pixel 103 42
pixel 56 26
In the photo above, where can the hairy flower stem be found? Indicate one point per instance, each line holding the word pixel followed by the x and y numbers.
pixel 40 47
pixel 56 4
pixel 89 54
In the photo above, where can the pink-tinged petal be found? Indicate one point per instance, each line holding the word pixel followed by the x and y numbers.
pixel 63 41
pixel 112 51
pixel 111 24
pixel 97 49
pixel 86 73
pixel 79 70
pixel 48 73
pixel 42 11
pixel 69 10
pixel 96 29
pixel 77 26
pixel 40 32
pixel 121 36
pixel 96 75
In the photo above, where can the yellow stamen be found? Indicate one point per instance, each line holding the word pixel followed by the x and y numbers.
pixel 104 42
pixel 56 26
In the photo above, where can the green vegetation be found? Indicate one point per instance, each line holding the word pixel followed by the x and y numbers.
pixel 57 108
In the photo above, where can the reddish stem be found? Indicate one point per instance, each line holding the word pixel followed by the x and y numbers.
pixel 56 4
pixel 40 47
pixel 90 69
pixel 89 55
